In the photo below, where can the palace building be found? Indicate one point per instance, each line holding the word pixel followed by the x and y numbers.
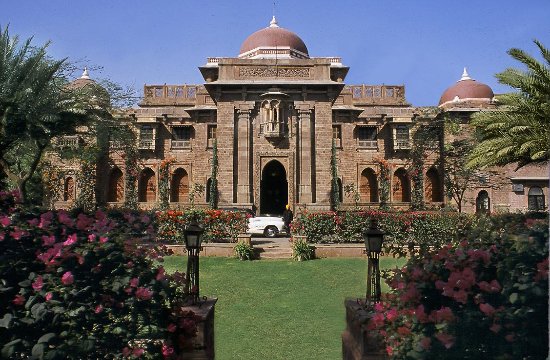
pixel 275 113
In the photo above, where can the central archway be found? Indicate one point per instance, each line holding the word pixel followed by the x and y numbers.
pixel 273 189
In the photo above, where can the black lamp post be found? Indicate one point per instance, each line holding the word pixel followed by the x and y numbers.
pixel 193 241
pixel 374 238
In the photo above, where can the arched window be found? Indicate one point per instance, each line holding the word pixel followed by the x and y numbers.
pixel 432 191
pixel 483 203
pixel 368 185
pixel 116 186
pixel 68 189
pixel 535 199
pixel 401 186
pixel 147 186
pixel 180 186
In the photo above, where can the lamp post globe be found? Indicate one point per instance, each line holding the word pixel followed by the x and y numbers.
pixel 193 240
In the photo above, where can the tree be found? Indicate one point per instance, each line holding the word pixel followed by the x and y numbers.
pixel 334 188
pixel 517 132
pixel 36 105
pixel 213 190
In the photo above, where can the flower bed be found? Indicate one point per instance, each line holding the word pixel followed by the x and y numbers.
pixel 218 224
pixel 485 297
pixel 424 230
pixel 75 285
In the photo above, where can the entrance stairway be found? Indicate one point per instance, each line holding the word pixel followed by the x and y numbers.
pixel 278 249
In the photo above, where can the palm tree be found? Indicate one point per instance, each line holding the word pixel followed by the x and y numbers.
pixel 519 131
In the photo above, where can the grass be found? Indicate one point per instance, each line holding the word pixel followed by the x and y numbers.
pixel 280 309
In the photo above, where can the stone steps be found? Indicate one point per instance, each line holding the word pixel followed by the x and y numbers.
pixel 273 252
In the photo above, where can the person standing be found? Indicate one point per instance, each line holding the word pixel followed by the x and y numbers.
pixel 287 218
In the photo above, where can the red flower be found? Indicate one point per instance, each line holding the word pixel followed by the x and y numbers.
pixel 18 300
pixel 67 278
pixel 38 284
pixel 426 343
pixel 487 309
pixel 71 239
pixel 167 350
pixel 446 339
pixel 144 293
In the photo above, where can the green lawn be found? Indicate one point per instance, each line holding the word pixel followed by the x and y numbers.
pixel 280 309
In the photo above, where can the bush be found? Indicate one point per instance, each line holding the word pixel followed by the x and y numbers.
pixel 218 224
pixel 244 251
pixel 486 297
pixel 76 286
pixel 422 229
pixel 301 250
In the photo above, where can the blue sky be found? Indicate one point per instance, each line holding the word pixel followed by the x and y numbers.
pixel 422 44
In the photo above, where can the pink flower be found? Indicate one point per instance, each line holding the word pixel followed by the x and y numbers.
pixel 446 339
pixel 126 351
pixel 67 278
pixel 426 343
pixel 171 328
pixel 379 307
pixel 487 309
pixel 18 300
pixel 64 218
pixel 445 314
pixel 48 296
pixel 2 236
pixel 492 287
pixel 103 239
pixel 389 350
pixel 91 238
pixel 144 293
pixel 391 315
pixel 32 222
pixel 5 221
pixel 161 276
pixel 495 328
pixel 45 220
pixel 83 222
pixel 403 331
pixel 137 352
pixel 38 284
pixel 167 350
pixel 134 282
pixel 48 240
pixel 98 309
pixel 71 239
pixel 17 234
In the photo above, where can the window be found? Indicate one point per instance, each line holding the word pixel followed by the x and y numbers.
pixel 211 135
pixel 366 137
pixel 274 119
pixel 402 140
pixel 337 135
pixel 535 199
pixel 147 189
pixel 368 185
pixel 401 186
pixel 483 203
pixel 68 191
pixel 147 137
pixel 180 186
pixel 181 137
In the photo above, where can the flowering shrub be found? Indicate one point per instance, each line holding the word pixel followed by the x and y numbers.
pixel 218 224
pixel 486 297
pixel 424 230
pixel 76 286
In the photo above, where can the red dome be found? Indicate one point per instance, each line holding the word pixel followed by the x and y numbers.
pixel 274 36
pixel 466 88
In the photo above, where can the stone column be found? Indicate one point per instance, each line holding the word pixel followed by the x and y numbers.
pixel 244 188
pixel 304 152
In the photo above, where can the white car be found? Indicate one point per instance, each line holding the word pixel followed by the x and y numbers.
pixel 266 225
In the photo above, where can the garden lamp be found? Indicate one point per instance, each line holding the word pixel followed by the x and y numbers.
pixel 374 238
pixel 193 240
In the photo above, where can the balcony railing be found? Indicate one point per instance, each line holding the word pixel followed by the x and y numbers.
pixel 146 144
pixel 68 141
pixel 367 144
pixel 402 144
pixel 274 129
pixel 181 144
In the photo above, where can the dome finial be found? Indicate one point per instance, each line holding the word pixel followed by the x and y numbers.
pixel 273 22
pixel 465 75
pixel 85 74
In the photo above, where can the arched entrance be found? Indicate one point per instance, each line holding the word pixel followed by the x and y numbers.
pixel 273 189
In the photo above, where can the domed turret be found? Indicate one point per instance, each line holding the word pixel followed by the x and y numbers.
pixel 91 88
pixel 273 42
pixel 466 89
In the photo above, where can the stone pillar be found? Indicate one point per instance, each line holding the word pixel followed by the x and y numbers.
pixel 357 343
pixel 304 152
pixel 244 189
pixel 203 343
